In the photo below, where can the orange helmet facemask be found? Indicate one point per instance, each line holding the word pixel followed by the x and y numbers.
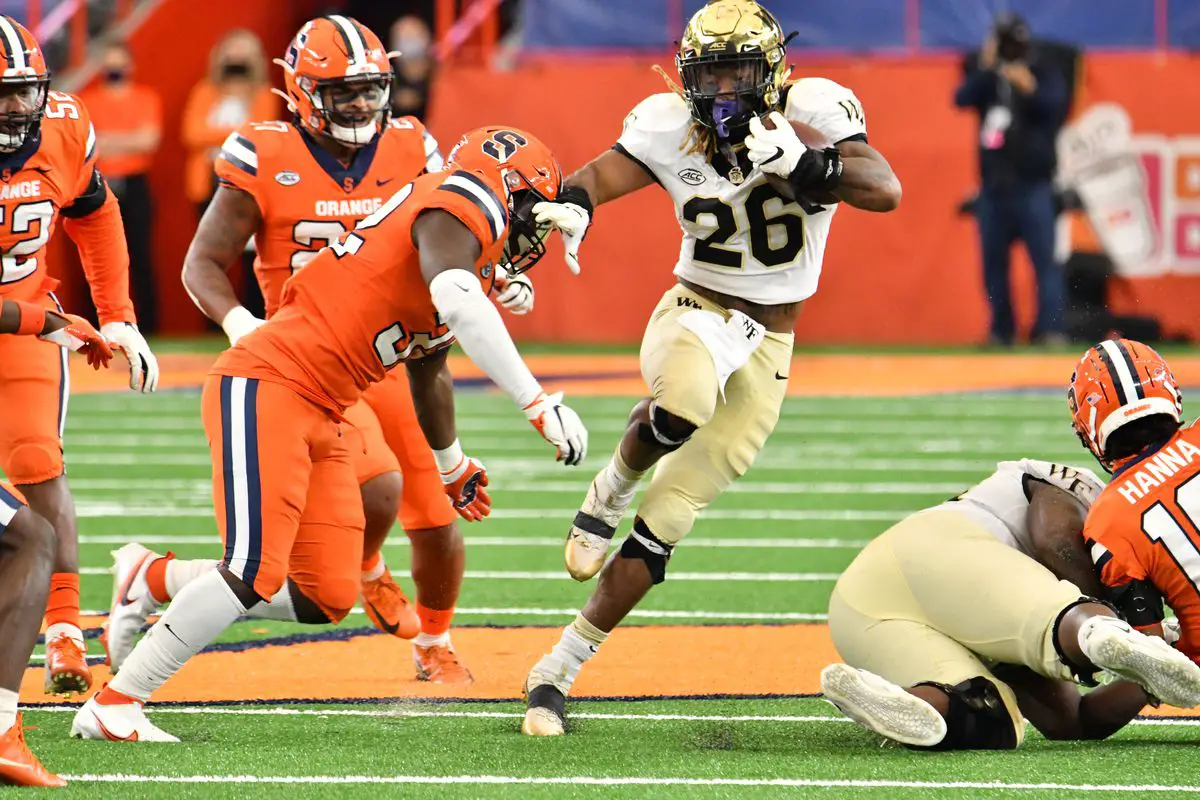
pixel 339 80
pixel 530 175
pixel 24 85
pixel 1116 382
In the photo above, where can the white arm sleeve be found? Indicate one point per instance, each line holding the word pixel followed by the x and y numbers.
pixel 477 325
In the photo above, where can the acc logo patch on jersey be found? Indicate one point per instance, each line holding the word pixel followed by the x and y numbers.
pixel 287 178
pixel 692 177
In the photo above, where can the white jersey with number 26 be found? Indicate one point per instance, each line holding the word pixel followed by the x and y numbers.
pixel 743 239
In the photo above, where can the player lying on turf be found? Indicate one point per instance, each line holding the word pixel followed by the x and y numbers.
pixel 1141 534
pixel 718 348
pixel 48 165
pixel 27 550
pixel 397 289
pixel 952 630
pixel 296 186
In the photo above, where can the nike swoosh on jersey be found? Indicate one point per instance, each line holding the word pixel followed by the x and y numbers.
pixel 384 181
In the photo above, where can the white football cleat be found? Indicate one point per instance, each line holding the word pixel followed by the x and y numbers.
pixel 592 531
pixel 132 602
pixel 882 706
pixel 121 722
pixel 1160 669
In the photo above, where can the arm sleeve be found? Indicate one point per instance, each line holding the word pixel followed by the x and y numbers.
pixel 1124 579
pixel 100 237
pixel 829 107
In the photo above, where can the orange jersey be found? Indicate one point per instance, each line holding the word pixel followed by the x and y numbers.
pixel 1145 526
pixel 307 198
pixel 44 176
pixel 362 305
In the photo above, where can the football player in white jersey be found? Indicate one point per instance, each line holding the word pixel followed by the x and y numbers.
pixel 953 625
pixel 717 351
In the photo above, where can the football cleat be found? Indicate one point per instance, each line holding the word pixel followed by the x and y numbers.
pixel 66 661
pixel 882 706
pixel 1157 667
pixel 593 529
pixel 440 664
pixel 123 721
pixel 132 602
pixel 388 608
pixel 545 711
pixel 18 765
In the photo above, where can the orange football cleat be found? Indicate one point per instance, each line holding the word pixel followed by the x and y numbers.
pixel 440 664
pixel 66 666
pixel 18 765
pixel 388 608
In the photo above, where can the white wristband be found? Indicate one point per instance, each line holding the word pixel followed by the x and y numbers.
pixel 450 459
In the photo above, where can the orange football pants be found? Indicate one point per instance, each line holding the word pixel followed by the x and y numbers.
pixel 284 492
pixel 33 406
pixel 393 429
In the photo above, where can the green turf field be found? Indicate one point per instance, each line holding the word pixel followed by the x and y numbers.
pixel 836 472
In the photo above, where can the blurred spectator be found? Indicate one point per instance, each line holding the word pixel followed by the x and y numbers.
pixel 235 92
pixel 128 121
pixel 1022 102
pixel 414 67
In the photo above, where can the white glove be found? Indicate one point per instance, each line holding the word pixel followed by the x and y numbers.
pixel 516 294
pixel 775 151
pixel 1171 630
pixel 571 221
pixel 560 426
pixel 239 322
pixel 143 366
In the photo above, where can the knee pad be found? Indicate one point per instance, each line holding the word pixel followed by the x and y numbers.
pixel 34 461
pixel 1084 673
pixel 665 429
pixel 977 718
pixel 643 544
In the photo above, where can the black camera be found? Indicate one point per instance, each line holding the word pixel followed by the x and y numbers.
pixel 1012 37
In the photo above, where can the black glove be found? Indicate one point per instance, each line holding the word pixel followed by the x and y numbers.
pixel 817 170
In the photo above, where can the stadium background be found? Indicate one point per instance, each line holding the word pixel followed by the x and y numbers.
pixel 910 277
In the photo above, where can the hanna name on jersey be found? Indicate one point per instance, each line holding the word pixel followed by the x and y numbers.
pixel 1154 471
pixel 356 207
pixel 23 189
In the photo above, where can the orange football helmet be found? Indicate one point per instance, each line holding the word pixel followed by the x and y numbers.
pixel 529 173
pixel 1116 382
pixel 24 84
pixel 339 80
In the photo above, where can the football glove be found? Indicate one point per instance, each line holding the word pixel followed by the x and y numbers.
pixel 570 218
pixel 516 293
pixel 143 366
pixel 239 322
pixel 464 484
pixel 560 426
pixel 79 336
pixel 776 151
pixel 1171 630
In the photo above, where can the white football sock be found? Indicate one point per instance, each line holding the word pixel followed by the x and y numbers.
pixel 280 607
pixel 68 630
pixel 201 612
pixel 622 480
pixel 180 573
pixel 376 572
pixel 579 642
pixel 432 640
pixel 8 709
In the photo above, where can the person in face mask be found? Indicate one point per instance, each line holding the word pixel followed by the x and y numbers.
pixel 410 37
pixel 128 120
pixel 235 91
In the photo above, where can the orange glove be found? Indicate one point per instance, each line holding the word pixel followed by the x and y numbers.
pixel 463 478
pixel 80 336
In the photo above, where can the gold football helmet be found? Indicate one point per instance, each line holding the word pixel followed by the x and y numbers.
pixel 733 64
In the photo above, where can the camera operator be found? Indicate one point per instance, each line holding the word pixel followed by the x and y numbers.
pixel 1021 103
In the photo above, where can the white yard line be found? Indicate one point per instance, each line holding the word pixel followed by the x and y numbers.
pixel 517 575
pixel 637 613
pixel 577 780
pixel 699 542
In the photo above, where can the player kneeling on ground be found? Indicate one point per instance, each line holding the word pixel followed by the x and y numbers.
pixel 952 630
pixel 27 546
pixel 399 288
